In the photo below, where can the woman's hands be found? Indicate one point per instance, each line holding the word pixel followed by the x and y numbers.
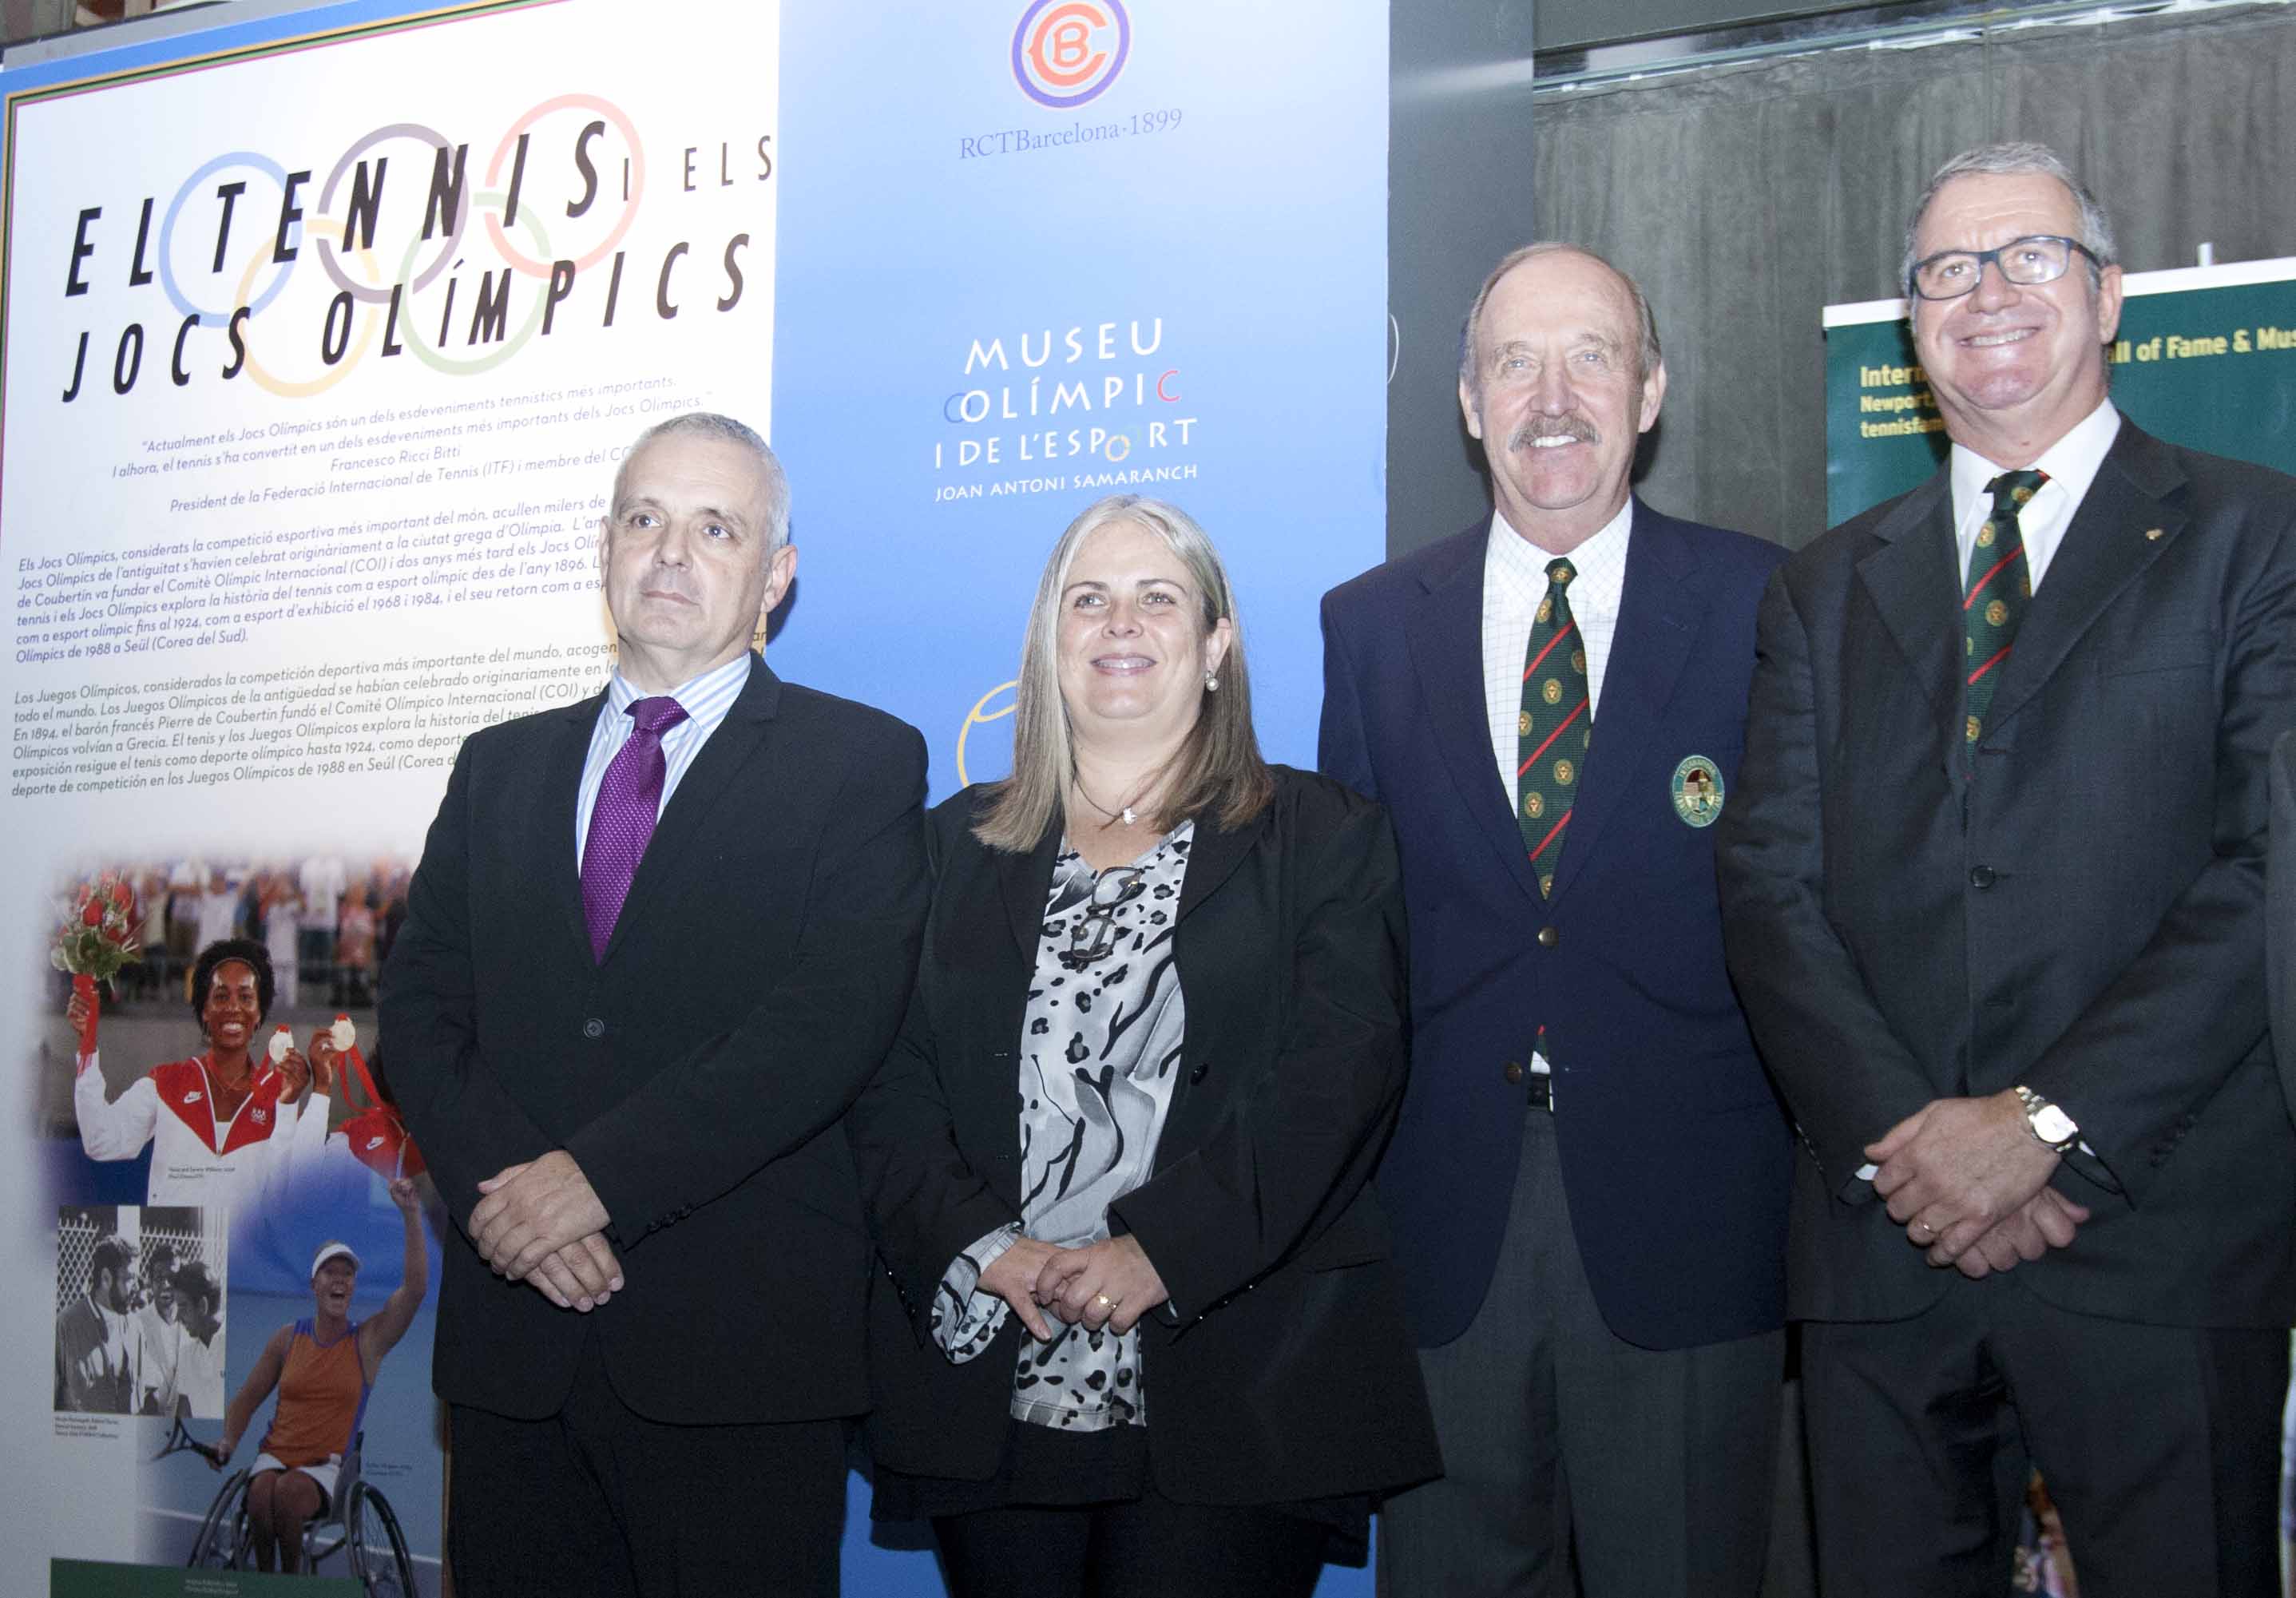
pixel 295 1073
pixel 323 1056
pixel 1012 1275
pixel 1109 1283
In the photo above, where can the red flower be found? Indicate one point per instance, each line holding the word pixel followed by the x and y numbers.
pixel 92 915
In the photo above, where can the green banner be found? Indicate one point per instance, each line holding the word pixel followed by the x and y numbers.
pixel 2205 358
pixel 88 1578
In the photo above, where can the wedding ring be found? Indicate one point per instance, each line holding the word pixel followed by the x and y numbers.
pixel 1925 1229
pixel 1104 1300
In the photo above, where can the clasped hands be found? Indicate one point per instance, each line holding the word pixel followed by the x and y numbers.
pixel 1108 1283
pixel 541 1223
pixel 1969 1182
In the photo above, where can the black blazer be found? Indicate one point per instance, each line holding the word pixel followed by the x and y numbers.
pixel 1675 1155
pixel 2280 914
pixel 2086 918
pixel 1280 1370
pixel 697 1074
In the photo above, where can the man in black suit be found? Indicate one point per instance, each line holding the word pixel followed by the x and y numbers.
pixel 1589 1179
pixel 618 1040
pixel 2280 932
pixel 1994 892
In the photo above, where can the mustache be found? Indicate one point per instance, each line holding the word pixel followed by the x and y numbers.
pixel 1572 426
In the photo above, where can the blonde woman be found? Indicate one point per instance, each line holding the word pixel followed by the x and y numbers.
pixel 1140 1331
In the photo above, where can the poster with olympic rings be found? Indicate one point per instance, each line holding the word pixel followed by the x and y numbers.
pixel 322 329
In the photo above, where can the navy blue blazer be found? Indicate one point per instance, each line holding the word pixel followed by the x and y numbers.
pixel 1676 1156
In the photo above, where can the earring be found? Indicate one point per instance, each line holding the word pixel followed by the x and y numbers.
pixel 1211 684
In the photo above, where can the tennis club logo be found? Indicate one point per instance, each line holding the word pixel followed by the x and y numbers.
pixel 1067 51
pixel 980 716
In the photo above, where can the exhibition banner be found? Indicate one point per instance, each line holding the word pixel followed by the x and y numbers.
pixel 2205 358
pixel 321 336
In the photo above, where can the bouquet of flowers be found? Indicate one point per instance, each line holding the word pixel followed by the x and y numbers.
pixel 96 939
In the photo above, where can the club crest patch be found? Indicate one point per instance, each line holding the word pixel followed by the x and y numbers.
pixel 1697 790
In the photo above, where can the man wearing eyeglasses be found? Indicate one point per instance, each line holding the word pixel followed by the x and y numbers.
pixel 2044 1201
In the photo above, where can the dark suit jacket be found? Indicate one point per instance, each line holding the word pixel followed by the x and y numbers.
pixel 2280 914
pixel 1280 1370
pixel 1674 1155
pixel 2086 918
pixel 696 1074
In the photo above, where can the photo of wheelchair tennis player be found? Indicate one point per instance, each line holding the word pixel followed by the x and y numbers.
pixel 324 1368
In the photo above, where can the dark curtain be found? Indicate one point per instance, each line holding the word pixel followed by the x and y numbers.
pixel 1746 198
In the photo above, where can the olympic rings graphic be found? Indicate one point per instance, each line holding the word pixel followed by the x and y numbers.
pixel 440 362
pixel 282 387
pixel 238 158
pixel 326 247
pixel 461 219
pixel 620 120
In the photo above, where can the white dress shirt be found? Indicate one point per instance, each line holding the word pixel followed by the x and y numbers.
pixel 1514 582
pixel 2071 464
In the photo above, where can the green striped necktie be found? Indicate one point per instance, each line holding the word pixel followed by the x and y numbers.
pixel 2000 589
pixel 1555 728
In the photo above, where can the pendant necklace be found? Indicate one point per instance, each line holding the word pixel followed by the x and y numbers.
pixel 1128 816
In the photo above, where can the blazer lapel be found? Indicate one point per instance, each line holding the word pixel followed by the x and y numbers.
pixel 1910 580
pixel 994 999
pixel 1213 857
pixel 1023 882
pixel 1445 633
pixel 566 747
pixel 1658 618
pixel 705 782
pixel 2120 528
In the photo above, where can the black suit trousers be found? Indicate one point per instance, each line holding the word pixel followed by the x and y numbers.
pixel 2160 1445
pixel 599 1500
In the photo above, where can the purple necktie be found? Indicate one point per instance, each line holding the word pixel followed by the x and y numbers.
pixel 622 820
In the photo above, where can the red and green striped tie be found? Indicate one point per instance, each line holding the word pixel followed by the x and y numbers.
pixel 1555 728
pixel 2000 588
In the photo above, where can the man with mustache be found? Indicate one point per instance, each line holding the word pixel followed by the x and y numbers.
pixel 2020 1031
pixel 657 942
pixel 1590 1179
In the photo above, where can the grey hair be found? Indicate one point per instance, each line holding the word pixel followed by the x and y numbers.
pixel 1648 355
pixel 2016 160
pixel 1219 768
pixel 710 425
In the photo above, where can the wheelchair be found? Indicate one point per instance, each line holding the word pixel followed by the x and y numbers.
pixel 358 1520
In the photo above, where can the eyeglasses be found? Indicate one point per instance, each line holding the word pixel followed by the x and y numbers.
pixel 2037 258
pixel 1094 934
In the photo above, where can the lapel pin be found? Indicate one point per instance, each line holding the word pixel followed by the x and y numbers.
pixel 2152 535
pixel 1697 792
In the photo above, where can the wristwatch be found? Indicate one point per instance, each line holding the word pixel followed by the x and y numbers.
pixel 2048 1121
